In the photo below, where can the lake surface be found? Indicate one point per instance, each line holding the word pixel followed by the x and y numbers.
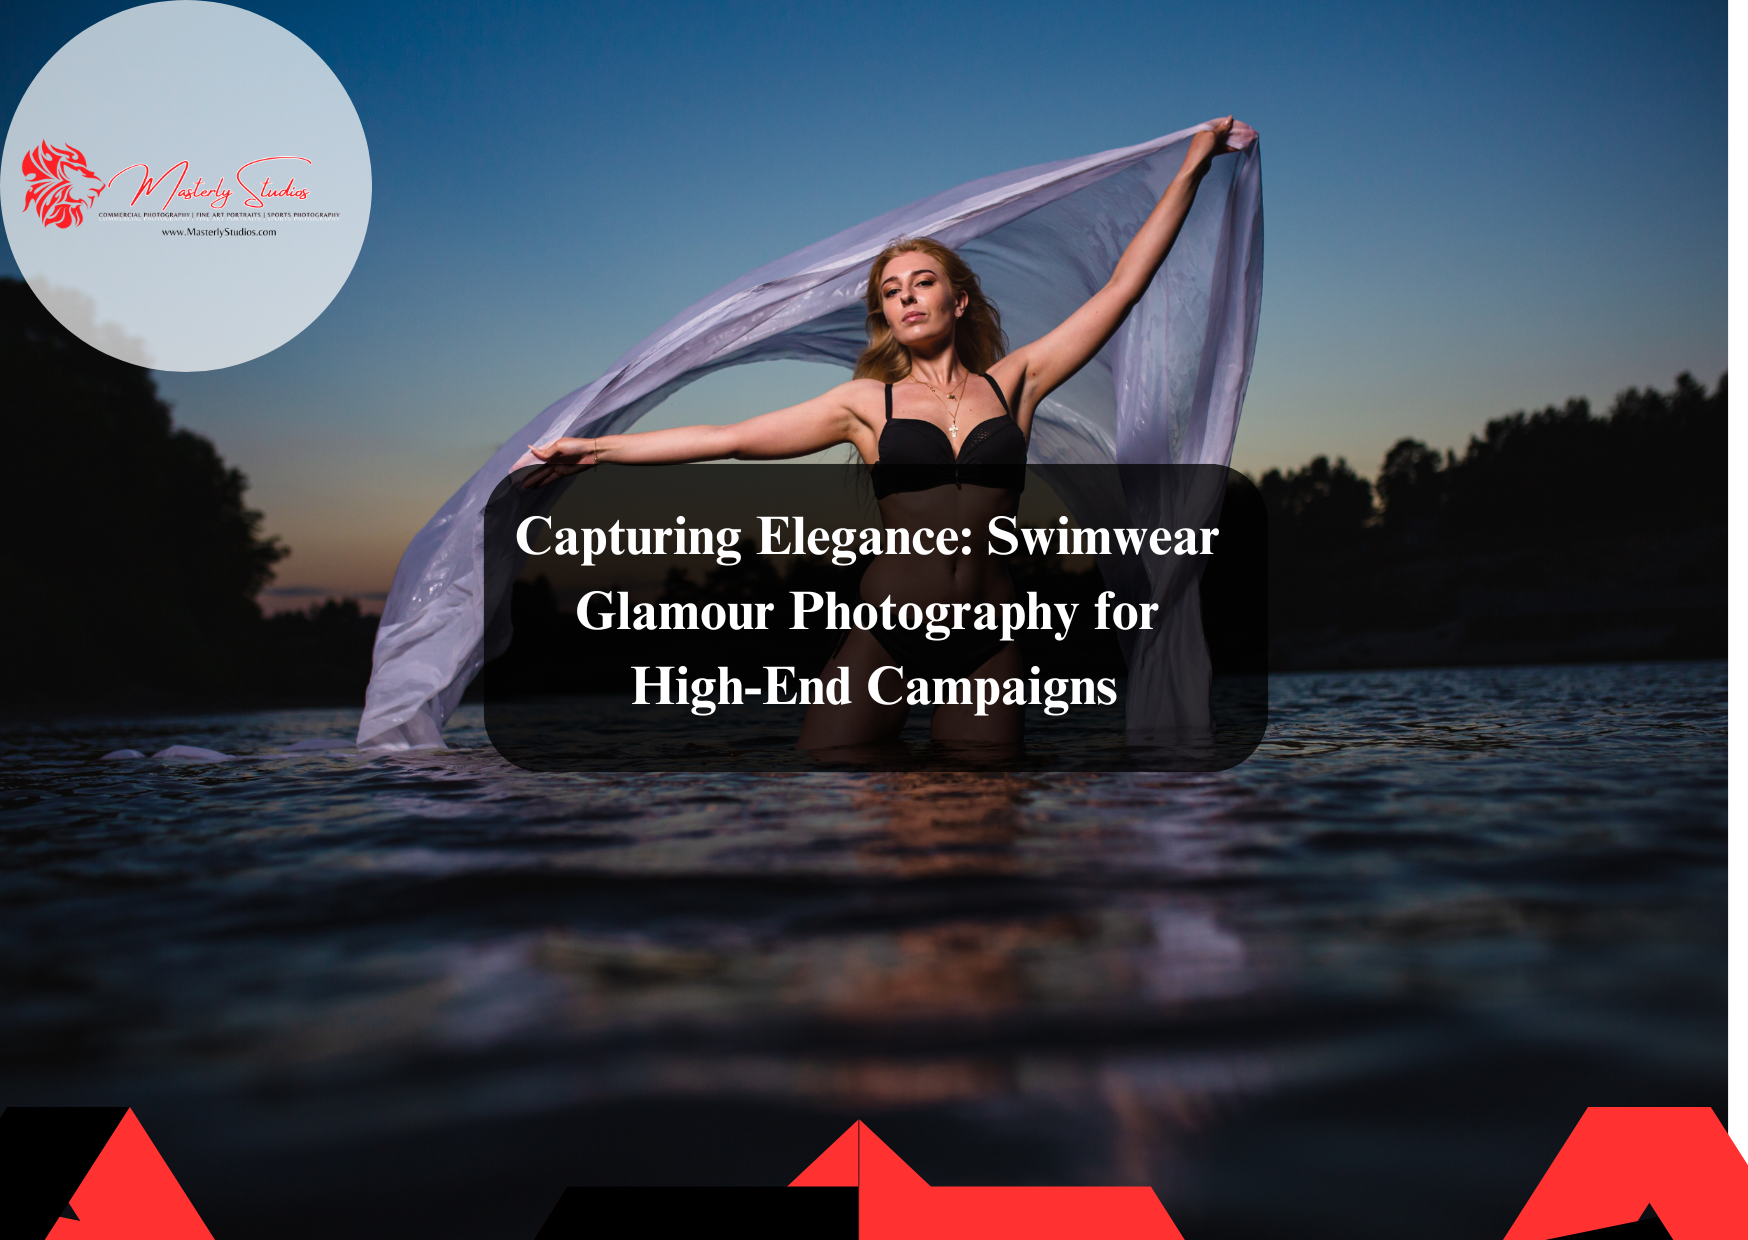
pixel 1361 985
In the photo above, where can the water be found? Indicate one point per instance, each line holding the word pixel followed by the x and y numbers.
pixel 1361 985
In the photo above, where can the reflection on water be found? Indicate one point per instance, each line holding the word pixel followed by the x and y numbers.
pixel 1387 959
pixel 602 732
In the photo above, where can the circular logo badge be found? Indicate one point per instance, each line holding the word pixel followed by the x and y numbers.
pixel 186 186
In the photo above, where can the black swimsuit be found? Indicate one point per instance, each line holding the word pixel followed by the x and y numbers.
pixel 916 455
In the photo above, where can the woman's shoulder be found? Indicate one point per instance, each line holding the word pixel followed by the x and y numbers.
pixel 1010 373
pixel 1008 368
pixel 862 395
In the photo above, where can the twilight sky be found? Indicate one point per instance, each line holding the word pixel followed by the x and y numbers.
pixel 1471 208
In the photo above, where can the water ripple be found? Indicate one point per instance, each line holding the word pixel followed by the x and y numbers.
pixel 1415 869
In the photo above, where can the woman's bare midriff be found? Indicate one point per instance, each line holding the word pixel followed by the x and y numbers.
pixel 969 575
pixel 973 577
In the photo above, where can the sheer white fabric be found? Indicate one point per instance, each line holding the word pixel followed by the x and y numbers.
pixel 1168 388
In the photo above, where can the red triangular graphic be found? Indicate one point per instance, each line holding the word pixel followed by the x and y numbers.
pixel 837 1167
pixel 130 1194
pixel 1679 1160
pixel 895 1203
pixel 882 1170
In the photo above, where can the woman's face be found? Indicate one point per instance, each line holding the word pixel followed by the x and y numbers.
pixel 920 306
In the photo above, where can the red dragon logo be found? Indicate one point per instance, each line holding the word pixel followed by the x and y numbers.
pixel 61 186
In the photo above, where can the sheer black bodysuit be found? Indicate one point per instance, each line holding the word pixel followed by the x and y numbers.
pixel 916 455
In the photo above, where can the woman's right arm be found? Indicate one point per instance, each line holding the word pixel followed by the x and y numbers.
pixel 795 431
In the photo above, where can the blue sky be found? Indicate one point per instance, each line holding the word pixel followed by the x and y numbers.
pixel 1470 209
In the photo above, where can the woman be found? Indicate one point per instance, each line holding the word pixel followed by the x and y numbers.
pixel 942 413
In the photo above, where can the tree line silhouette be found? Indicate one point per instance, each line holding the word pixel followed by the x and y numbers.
pixel 134 562
pixel 1556 535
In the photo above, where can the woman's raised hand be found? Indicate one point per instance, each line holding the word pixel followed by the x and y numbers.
pixel 1218 138
pixel 1236 137
pixel 563 458
pixel 1230 135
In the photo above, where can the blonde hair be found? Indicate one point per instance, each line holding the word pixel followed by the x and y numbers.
pixel 977 338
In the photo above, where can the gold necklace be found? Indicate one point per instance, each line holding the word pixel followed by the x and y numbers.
pixel 952 410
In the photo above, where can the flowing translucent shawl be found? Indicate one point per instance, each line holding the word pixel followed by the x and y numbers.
pixel 1167 389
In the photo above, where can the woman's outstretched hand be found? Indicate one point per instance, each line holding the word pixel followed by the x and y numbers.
pixel 563 458
pixel 1220 137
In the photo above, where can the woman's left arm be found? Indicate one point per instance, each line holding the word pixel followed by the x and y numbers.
pixel 1054 357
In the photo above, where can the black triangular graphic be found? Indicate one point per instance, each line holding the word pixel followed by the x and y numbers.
pixel 44 1155
pixel 67 1212
pixel 1646 1227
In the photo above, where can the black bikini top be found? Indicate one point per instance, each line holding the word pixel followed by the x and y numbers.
pixel 916 455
